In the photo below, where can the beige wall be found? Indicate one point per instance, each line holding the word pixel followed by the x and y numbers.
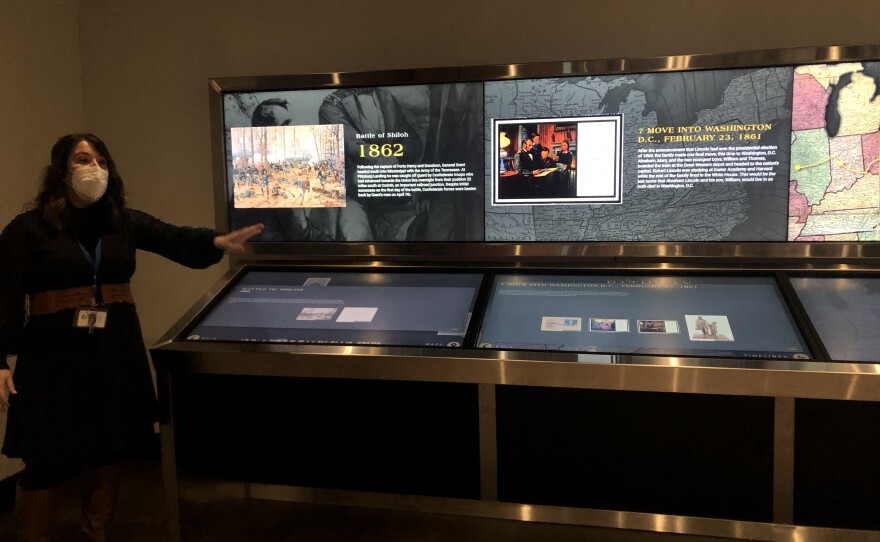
pixel 145 67
pixel 41 98
pixel 41 93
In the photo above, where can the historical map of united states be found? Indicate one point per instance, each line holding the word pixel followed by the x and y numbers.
pixel 835 153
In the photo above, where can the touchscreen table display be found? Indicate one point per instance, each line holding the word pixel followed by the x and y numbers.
pixel 845 313
pixel 348 308
pixel 656 315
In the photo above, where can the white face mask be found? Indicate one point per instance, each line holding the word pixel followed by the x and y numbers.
pixel 89 183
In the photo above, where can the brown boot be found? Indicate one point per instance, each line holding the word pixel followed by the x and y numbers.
pixel 37 509
pixel 101 486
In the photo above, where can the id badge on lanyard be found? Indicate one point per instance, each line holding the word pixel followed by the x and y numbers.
pixel 94 317
pixel 90 318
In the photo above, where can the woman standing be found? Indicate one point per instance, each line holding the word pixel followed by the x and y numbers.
pixel 82 397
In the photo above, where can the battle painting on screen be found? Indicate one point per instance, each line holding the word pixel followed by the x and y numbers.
pixel 288 166
pixel 401 163
pixel 783 153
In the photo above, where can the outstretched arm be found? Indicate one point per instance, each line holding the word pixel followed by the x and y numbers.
pixel 232 241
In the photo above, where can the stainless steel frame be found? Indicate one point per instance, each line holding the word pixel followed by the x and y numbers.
pixel 782 380
pixel 660 523
pixel 785 381
pixel 561 252
pixel 670 255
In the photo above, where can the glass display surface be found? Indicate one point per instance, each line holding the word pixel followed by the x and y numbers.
pixel 344 308
pixel 378 163
pixel 651 315
pixel 845 313
pixel 703 157
pixel 780 153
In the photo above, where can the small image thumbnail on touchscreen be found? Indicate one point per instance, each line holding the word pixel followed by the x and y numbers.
pixel 357 314
pixel 316 314
pixel 708 327
pixel 658 326
pixel 609 325
pixel 560 323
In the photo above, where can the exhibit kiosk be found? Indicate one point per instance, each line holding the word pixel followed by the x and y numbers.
pixel 629 293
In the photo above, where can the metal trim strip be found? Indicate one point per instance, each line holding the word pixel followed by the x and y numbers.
pixel 769 532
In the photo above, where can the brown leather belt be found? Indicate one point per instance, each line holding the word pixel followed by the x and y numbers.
pixel 52 301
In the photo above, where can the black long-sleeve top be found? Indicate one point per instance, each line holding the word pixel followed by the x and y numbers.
pixel 81 393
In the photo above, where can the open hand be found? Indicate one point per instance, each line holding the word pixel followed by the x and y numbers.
pixel 6 384
pixel 233 241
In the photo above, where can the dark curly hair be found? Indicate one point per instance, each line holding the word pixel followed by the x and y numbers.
pixel 52 200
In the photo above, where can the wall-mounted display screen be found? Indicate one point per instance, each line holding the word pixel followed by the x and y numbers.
pixel 845 313
pixel 400 163
pixel 344 308
pixel 783 153
pixel 652 315
pixel 704 156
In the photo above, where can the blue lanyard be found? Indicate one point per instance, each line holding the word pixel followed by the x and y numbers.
pixel 95 263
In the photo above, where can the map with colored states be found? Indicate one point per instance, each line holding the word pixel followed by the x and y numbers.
pixel 834 192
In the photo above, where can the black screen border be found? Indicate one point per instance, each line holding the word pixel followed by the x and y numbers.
pixel 797 316
pixel 231 284
pixel 798 307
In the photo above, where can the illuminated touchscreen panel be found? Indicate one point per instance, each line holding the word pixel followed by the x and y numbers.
pixel 652 315
pixel 845 313
pixel 344 308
